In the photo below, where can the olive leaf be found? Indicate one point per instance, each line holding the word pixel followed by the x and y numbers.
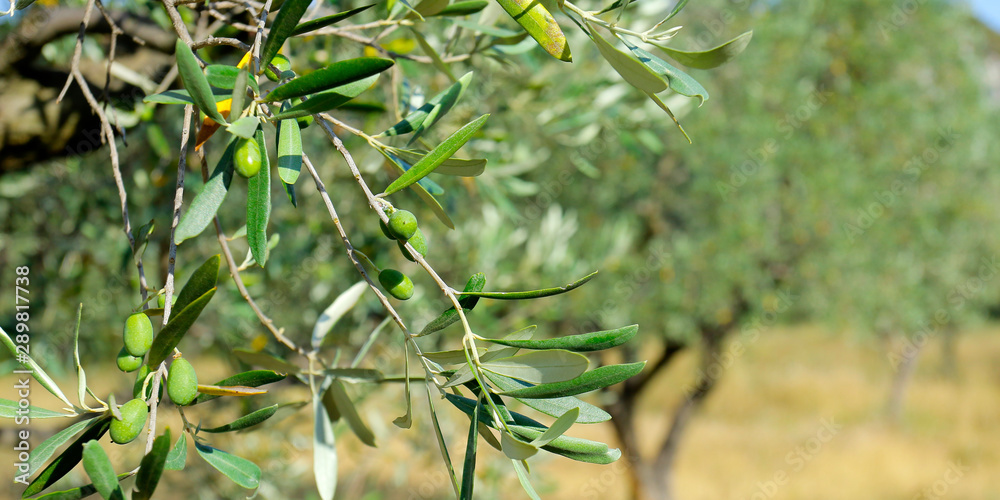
pixel 283 26
pixel 539 23
pixel 259 204
pixel 438 155
pixel 325 21
pixel 151 467
pixel 325 101
pixel 711 58
pixel 334 75
pixel 195 81
pixel 240 470
pixel 205 205
pixel 594 341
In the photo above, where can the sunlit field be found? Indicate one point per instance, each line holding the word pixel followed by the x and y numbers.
pixel 800 415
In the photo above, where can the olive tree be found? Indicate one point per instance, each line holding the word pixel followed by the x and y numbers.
pixel 253 77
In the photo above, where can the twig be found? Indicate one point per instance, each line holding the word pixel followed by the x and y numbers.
pixel 178 201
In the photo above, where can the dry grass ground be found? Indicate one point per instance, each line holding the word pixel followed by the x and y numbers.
pixel 798 416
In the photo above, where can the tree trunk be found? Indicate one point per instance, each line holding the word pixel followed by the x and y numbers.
pixel 905 364
pixel 949 355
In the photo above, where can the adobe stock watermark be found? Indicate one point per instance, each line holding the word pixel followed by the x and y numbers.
pixel 942 486
pixel 624 289
pixel 911 172
pixel 902 14
pixel 758 157
pixel 796 460
pixel 749 334
pixel 957 298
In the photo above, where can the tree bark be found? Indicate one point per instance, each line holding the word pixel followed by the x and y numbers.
pixel 905 363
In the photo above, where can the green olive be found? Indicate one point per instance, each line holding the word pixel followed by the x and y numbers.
pixel 282 63
pixel 396 284
pixel 134 415
pixel 182 382
pixel 127 362
pixel 418 242
pixel 385 230
pixel 247 158
pixel 161 301
pixel 138 334
pixel 140 377
pixel 402 224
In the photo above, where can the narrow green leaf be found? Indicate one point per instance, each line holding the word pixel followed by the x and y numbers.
pixel 141 236
pixel 664 107
pixel 589 414
pixel 325 101
pixel 283 26
pixel 324 450
pixel 438 155
pixel 334 75
pixel 350 413
pixel 195 81
pixel 464 374
pixel 584 342
pixel 452 357
pixel 259 205
pixel 44 451
pixel 442 444
pixel 178 454
pixel 265 360
pixel 540 367
pixel 69 457
pixel 244 127
pixel 433 110
pixel 101 472
pixel 522 476
pixel 240 470
pixel 290 193
pixel 469 468
pixel 37 372
pixel 207 202
pixel 253 378
pixel 9 409
pixel 325 21
pixel 534 294
pixel 434 205
pixel 289 151
pixel 515 449
pixel 604 458
pixel 336 310
pixel 240 92
pixel 558 428
pixel 181 96
pixel 432 53
pixel 590 381
pixel 452 166
pixel 565 443
pixel 711 58
pixel 631 69
pixel 223 76
pixel 427 8
pixel 539 23
pixel 249 420
pixel 22 4
pixel 171 334
pixel 199 283
pixel 403 166
pixel 677 80
pixel 151 467
pixel 462 8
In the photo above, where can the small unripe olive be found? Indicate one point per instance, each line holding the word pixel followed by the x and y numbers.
pixel 402 225
pixel 182 382
pixel 247 158
pixel 418 242
pixel 138 334
pixel 140 377
pixel 161 300
pixel 396 284
pixel 282 63
pixel 134 415
pixel 385 230
pixel 127 362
